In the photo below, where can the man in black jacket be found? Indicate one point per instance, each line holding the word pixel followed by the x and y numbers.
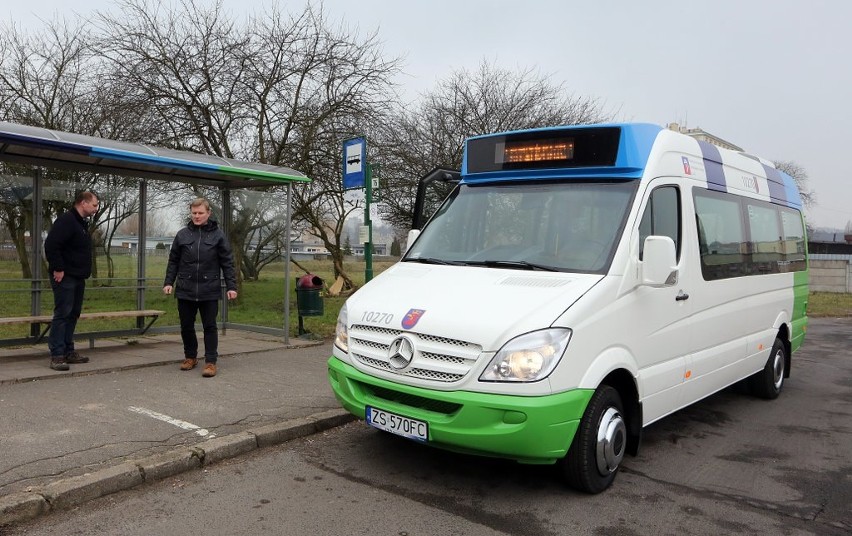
pixel 68 248
pixel 200 255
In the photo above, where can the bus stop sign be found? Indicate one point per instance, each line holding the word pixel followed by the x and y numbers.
pixel 354 163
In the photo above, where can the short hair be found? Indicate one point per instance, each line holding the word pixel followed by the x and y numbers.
pixel 84 195
pixel 199 201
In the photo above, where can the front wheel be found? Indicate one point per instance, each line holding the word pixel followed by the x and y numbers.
pixel 599 443
pixel 768 382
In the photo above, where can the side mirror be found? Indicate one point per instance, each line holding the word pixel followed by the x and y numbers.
pixel 659 264
pixel 412 236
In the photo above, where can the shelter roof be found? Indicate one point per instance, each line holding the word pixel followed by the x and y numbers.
pixel 42 147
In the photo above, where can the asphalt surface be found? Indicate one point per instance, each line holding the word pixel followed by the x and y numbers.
pixel 131 416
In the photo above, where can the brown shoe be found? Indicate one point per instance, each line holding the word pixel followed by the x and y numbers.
pixel 209 370
pixel 188 363
pixel 75 359
pixel 59 363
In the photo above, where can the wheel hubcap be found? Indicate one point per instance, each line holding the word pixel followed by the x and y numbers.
pixel 778 369
pixel 612 441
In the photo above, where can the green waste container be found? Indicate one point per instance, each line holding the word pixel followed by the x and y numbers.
pixel 308 299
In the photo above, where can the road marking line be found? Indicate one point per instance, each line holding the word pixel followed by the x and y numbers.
pixel 171 420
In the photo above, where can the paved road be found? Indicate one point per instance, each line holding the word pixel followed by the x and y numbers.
pixel 731 464
pixel 69 425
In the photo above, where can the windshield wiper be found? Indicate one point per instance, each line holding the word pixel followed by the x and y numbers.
pixel 517 265
pixel 432 260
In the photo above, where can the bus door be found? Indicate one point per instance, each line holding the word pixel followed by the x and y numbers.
pixel 662 315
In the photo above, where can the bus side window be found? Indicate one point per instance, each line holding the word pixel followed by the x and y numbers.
pixel 724 246
pixel 661 217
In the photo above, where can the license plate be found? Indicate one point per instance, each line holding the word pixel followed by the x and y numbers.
pixel 397 424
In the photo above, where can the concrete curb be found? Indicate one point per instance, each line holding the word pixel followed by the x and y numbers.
pixel 70 492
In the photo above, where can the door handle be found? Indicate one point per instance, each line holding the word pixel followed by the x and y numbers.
pixel 681 296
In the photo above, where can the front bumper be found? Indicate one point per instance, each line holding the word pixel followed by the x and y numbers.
pixel 529 429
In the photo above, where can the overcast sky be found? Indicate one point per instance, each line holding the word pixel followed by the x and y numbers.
pixel 771 76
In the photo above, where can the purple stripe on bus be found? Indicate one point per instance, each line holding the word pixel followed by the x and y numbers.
pixel 713 166
pixel 777 191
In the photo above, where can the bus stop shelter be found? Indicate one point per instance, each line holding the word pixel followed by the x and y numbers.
pixel 43 148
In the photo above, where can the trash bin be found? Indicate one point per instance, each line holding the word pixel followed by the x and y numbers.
pixel 308 299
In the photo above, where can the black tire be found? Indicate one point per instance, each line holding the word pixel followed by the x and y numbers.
pixel 768 382
pixel 592 463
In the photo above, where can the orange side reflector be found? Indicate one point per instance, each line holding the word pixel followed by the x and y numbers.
pixel 687 374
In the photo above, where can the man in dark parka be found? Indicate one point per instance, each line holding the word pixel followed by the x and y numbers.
pixel 68 248
pixel 200 255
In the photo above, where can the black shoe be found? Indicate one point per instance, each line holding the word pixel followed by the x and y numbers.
pixel 59 363
pixel 75 359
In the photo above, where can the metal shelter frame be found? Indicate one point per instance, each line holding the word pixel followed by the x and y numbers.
pixel 41 147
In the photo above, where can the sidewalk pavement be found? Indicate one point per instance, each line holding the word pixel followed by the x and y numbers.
pixel 32 484
pixel 26 364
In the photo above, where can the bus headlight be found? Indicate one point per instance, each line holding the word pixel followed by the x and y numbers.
pixel 528 358
pixel 341 332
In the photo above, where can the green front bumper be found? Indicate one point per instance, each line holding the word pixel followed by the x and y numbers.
pixel 529 429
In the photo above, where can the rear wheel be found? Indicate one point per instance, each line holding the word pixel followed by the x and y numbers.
pixel 599 444
pixel 768 382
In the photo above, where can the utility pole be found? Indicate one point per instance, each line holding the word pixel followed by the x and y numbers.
pixel 368 245
pixel 357 173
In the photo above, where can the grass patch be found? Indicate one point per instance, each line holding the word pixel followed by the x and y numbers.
pixel 830 304
pixel 260 303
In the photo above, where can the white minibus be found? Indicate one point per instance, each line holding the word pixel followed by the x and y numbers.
pixel 578 284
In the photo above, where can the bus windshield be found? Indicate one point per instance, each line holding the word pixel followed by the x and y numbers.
pixel 557 226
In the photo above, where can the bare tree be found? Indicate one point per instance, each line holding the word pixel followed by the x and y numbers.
pixel 317 85
pixel 46 79
pixel 44 76
pixel 16 211
pixel 282 90
pixel 185 63
pixel 490 99
pixel 54 79
pixel 119 202
pixel 259 222
pixel 801 177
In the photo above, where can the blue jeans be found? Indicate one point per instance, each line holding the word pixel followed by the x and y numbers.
pixel 187 311
pixel 67 306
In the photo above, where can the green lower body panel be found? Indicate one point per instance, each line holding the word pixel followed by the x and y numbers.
pixel 800 309
pixel 529 429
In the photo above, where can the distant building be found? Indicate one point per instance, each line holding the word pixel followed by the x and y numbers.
pixel 378 249
pixel 701 135
pixel 132 242
pixel 313 247
pixel 301 248
pixel 829 236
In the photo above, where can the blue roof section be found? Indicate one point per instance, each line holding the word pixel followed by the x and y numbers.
pixel 793 196
pixel 43 147
pixel 634 148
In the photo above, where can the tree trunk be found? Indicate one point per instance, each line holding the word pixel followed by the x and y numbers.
pixel 337 260
pixel 95 261
pixel 21 247
pixel 239 265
